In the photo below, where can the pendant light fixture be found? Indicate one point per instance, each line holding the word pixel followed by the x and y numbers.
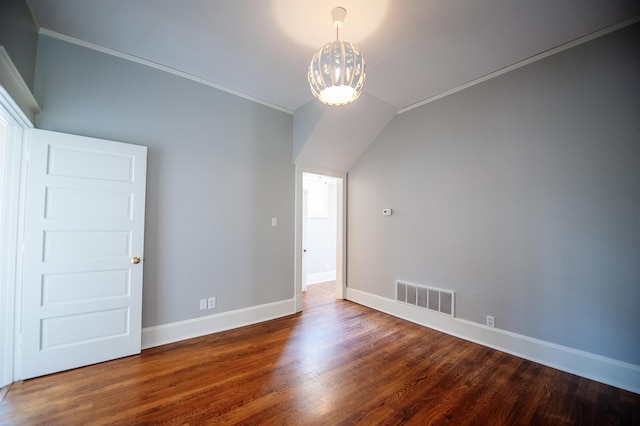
pixel 337 72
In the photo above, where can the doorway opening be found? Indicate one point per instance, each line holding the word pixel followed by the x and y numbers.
pixel 320 239
pixel 319 229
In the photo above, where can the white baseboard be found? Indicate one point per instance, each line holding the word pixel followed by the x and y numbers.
pixel 182 330
pixel 321 277
pixel 591 366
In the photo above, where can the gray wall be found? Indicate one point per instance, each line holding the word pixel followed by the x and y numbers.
pixel 522 194
pixel 219 168
pixel 19 37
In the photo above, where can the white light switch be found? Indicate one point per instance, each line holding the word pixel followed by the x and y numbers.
pixel 274 221
pixel 386 212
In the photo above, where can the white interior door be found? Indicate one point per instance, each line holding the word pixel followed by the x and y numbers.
pixel 305 221
pixel 83 233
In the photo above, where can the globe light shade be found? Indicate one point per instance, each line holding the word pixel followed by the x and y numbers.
pixel 337 73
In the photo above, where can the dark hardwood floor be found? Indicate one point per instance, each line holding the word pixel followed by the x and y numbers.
pixel 337 363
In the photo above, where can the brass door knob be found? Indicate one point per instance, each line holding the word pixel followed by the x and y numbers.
pixel 135 260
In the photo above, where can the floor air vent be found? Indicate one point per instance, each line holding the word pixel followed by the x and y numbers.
pixel 433 299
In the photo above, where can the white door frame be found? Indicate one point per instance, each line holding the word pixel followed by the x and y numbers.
pixel 17 123
pixel 341 237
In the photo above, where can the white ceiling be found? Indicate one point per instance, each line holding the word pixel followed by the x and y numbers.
pixel 414 49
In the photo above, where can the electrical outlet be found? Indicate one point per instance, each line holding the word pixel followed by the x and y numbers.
pixel 490 321
pixel 203 304
pixel 211 303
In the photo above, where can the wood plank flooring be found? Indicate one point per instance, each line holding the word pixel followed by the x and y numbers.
pixel 337 363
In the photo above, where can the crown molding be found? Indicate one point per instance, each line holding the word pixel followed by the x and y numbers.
pixel 530 60
pixel 11 81
pixel 155 65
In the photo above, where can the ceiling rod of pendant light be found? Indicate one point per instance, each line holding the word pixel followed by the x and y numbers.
pixel 338 14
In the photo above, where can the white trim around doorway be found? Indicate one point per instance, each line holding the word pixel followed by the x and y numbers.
pixel 16 123
pixel 341 237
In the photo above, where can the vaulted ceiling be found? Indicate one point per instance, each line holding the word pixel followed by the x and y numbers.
pixel 414 50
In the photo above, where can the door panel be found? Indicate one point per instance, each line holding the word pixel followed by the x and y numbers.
pixel 84 222
pixel 87 203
